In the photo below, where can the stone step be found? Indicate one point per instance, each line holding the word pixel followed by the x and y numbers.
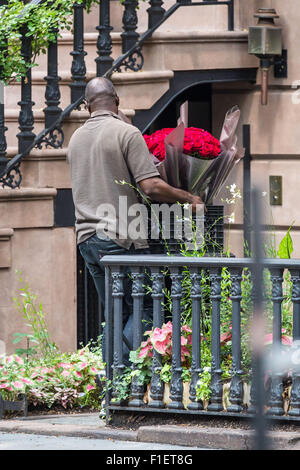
pixel 76 119
pixel 186 17
pixel 138 90
pixel 26 207
pixel 164 47
pixel 46 167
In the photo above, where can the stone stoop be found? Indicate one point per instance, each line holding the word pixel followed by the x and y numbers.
pixel 164 53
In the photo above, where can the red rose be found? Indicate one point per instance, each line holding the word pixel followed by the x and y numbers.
pixel 197 142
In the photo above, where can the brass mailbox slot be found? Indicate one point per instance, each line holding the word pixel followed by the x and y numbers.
pixel 276 190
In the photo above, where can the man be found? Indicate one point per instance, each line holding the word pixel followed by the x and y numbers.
pixel 105 151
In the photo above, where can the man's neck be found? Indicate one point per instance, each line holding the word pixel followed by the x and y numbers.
pixel 112 109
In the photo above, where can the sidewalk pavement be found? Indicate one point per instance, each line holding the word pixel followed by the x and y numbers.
pixel 89 425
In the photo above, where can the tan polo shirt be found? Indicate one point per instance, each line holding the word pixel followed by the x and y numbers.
pixel 105 150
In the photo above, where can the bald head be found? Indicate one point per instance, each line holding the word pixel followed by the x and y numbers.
pixel 100 94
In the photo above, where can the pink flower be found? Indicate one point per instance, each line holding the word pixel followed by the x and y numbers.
pixel 285 340
pixel 146 349
pixel 83 365
pixel 18 359
pixel 26 381
pixel 162 346
pixel 90 387
pixel 17 385
pixel 35 374
pixel 186 329
pixel 5 385
pixel 168 326
pixel 66 373
pixel 183 341
pixel 225 337
pixel 158 335
pixel 184 353
pixel 78 373
pixel 64 365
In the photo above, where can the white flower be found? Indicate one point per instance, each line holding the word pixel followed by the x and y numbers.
pixel 231 218
pixel 264 193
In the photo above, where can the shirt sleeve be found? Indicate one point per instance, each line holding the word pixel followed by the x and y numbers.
pixel 138 158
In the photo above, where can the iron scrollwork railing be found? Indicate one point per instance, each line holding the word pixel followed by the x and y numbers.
pixel 130 59
pixel 162 266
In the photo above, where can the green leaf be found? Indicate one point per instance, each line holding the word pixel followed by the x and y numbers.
pixel 286 246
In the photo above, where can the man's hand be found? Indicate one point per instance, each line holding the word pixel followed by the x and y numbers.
pixel 158 190
pixel 196 201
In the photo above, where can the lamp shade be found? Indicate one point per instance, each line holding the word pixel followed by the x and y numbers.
pixel 265 39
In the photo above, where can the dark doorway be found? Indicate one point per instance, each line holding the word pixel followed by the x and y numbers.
pixel 199 109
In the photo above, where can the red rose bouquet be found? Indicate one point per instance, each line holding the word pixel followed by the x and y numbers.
pixel 194 160
pixel 197 142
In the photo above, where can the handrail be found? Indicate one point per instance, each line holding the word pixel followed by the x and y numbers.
pixel 195 261
pixel 128 60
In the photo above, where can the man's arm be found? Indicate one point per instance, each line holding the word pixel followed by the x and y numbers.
pixel 158 190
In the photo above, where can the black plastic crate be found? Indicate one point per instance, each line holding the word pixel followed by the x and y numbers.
pixel 213 233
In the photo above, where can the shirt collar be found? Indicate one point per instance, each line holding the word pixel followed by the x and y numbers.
pixel 105 113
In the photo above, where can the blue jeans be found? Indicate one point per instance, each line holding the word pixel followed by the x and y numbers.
pixel 92 250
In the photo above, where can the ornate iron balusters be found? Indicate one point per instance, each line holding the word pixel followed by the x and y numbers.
pixel 216 371
pixel 196 338
pixel 78 69
pixel 236 387
pixel 52 98
pixel 157 387
pixel 3 129
pixel 155 12
pixel 231 15
pixel 176 389
pixel 135 61
pixel 104 60
pixel 13 177
pixel 138 297
pixel 253 389
pixel 276 384
pixel 26 121
pixel 130 36
pixel 117 295
pixel 295 393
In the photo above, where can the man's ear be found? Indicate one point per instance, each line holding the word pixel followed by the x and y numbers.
pixel 117 100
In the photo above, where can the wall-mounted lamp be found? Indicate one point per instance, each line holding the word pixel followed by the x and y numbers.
pixel 265 41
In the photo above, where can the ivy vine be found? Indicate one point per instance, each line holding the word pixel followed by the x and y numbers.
pixel 39 21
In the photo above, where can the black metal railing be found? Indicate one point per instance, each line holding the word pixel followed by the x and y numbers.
pixel 130 59
pixel 171 269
